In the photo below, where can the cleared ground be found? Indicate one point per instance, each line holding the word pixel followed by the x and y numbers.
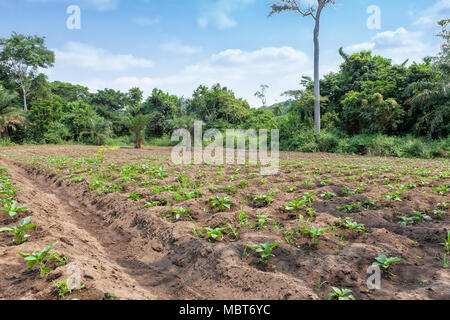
pixel 135 225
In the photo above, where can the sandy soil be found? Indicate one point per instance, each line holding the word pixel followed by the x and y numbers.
pixel 133 252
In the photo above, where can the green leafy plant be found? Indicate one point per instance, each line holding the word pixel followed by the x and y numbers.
pixel 215 234
pixel 262 200
pixel 265 250
pixel 42 258
pixel 314 233
pixel 12 208
pixel 414 217
pixel 340 294
pixel 221 203
pixel 19 231
pixel 262 219
pixel 385 262
pixel 327 195
pixel 446 243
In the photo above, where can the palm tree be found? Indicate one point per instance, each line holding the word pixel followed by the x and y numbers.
pixel 433 99
pixel 11 115
pixel 99 130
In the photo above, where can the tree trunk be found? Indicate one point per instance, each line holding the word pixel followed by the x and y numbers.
pixel 316 71
pixel 25 108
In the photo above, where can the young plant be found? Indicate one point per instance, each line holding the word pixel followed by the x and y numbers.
pixel 352 225
pixel 262 219
pixel 221 203
pixel 12 208
pixel 314 233
pixel 215 234
pixel 243 218
pixel 385 262
pixel 327 195
pixel 295 205
pixel 42 258
pixel 262 200
pixel 446 243
pixel 340 294
pixel 265 251
pixel 19 231
pixel 180 212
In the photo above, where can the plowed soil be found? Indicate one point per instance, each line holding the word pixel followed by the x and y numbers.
pixel 96 205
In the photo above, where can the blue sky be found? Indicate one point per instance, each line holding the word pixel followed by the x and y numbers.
pixel 177 45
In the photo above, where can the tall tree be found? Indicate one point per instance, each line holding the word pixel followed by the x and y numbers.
pixel 262 94
pixel 10 114
pixel 21 57
pixel 315 11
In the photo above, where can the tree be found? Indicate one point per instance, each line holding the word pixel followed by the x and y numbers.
pixel 315 12
pixel 21 57
pixel 262 94
pixel 10 114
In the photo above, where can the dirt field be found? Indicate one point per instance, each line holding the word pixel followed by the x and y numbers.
pixel 135 225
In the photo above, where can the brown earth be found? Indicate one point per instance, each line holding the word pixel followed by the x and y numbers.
pixel 134 252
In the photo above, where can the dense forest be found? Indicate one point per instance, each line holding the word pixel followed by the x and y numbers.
pixel 370 106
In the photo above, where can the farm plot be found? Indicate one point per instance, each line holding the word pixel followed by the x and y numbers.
pixel 135 226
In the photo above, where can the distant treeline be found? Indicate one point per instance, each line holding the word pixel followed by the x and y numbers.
pixel 370 106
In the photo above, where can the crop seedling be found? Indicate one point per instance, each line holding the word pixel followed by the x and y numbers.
pixel 314 233
pixel 351 224
pixel 19 231
pixel 327 195
pixel 265 251
pixel 215 234
pixel 12 208
pixel 243 218
pixel 134 196
pixel 348 208
pixel 262 219
pixel 221 203
pixel 295 205
pixel 180 212
pixel 233 231
pixel 152 204
pixel 414 217
pixel 262 200
pixel 340 294
pixel 446 243
pixel 42 258
pixel 385 262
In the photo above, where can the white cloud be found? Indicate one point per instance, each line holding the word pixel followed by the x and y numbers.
pixel 100 5
pixel 218 13
pixel 398 45
pixel 178 48
pixel 241 71
pixel 440 10
pixel 80 55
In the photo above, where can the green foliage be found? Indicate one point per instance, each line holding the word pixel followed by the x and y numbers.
pixel 42 258
pixel 340 294
pixel 265 250
pixel 12 209
pixel 385 262
pixel 221 203
pixel 19 231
